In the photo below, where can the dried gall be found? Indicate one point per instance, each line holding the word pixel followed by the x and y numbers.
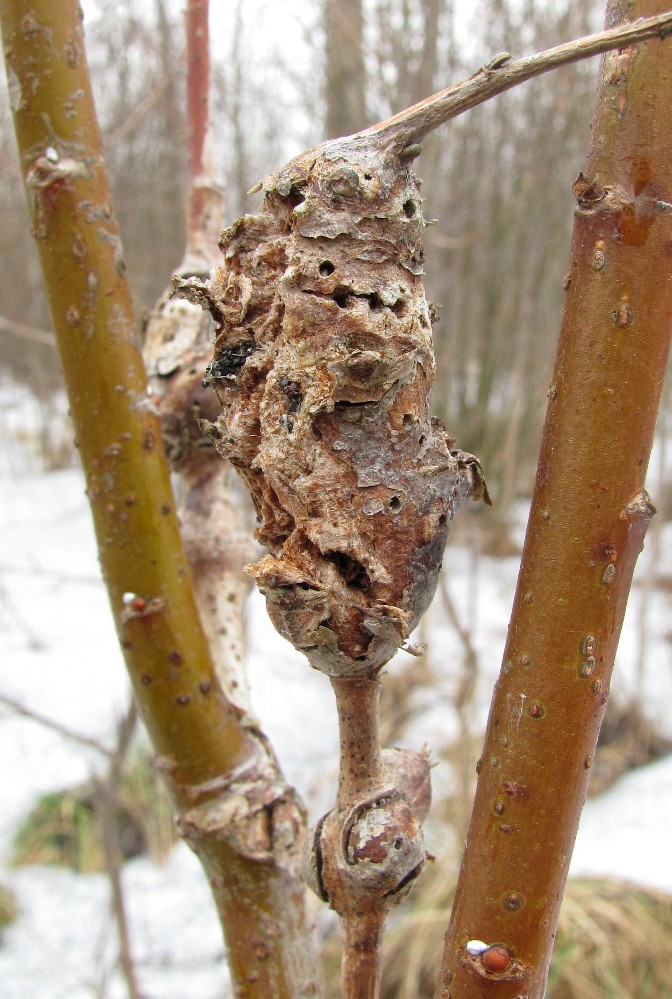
pixel 323 363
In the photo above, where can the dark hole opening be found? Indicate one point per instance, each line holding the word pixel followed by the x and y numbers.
pixel 409 208
pixel 292 393
pixel 326 268
pixel 394 503
pixel 341 299
pixel 352 572
pixel 296 197
pixel 375 301
pixel 443 519
pixel 229 361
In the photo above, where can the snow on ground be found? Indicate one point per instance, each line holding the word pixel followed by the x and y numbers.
pixel 59 656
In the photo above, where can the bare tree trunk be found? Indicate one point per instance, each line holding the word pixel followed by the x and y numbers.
pixel 346 74
pixel 587 523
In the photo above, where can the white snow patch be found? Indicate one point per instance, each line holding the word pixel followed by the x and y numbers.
pixel 59 656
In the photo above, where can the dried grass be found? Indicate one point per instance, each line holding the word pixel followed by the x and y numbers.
pixel 63 828
pixel 627 740
pixel 614 942
pixel 9 909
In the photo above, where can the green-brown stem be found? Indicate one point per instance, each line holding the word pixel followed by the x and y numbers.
pixel 587 523
pixel 210 761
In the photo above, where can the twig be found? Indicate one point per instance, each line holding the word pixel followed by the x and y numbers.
pixel 82 740
pixel 33 639
pixel 360 774
pixel 27 332
pixel 143 107
pixel 205 209
pixel 106 791
pixel 412 125
pixel 126 729
pixel 105 809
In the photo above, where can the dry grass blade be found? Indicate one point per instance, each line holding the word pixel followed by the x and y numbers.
pixel 614 942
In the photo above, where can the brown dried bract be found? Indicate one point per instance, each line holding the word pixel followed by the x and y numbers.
pixel 323 366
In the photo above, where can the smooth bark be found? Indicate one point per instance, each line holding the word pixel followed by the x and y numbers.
pixel 587 523
pixel 345 95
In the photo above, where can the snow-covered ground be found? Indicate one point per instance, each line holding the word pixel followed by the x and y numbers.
pixel 59 656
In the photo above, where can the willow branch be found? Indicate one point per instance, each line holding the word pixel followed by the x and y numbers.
pixel 177 347
pixel 587 524
pixel 222 778
pixel 409 127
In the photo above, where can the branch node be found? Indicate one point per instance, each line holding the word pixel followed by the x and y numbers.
pixel 253 809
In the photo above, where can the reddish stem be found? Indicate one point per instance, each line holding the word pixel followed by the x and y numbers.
pixel 198 84
pixel 205 200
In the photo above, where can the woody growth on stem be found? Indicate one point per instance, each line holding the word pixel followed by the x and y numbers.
pixel 323 365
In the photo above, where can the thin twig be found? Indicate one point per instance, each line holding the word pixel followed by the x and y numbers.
pixel 82 740
pixel 33 639
pixel 412 125
pixel 105 810
pixel 142 108
pixel 27 332
pixel 106 805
